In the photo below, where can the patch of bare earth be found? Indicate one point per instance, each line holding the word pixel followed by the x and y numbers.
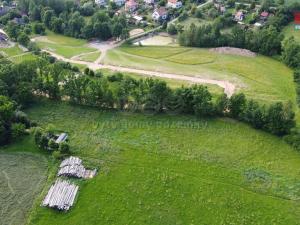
pixel 233 51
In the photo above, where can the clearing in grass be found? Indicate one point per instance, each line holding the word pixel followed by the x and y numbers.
pixel 163 169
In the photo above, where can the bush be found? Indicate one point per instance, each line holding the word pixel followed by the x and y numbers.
pixel 52 145
pixel 17 130
pixel 21 117
pixel 57 155
pixel 116 77
pixel 64 148
pixel 198 13
pixel 171 29
pixel 23 39
pixel 39 28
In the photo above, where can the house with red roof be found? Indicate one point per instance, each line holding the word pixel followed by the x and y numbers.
pixel 239 16
pixel 264 15
pixel 160 14
pixel 131 5
pixel 175 4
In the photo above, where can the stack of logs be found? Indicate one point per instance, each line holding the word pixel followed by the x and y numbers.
pixel 61 195
pixel 72 167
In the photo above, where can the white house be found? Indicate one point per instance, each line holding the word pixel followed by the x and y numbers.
pixel 160 14
pixel 175 4
pixel 100 2
pixel 119 2
pixel 149 2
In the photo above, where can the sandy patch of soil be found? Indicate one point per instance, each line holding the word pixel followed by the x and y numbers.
pixel 233 51
pixel 135 32
pixel 157 40
pixel 42 39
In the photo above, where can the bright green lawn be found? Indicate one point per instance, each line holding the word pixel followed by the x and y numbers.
pixel 174 170
pixel 261 77
pixel 198 22
pixel 23 57
pixel 11 51
pixel 90 57
pixel 62 45
pixel 291 31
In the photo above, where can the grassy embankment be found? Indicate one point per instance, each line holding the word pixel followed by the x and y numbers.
pixel 261 78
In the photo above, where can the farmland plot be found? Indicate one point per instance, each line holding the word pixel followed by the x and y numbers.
pixel 21 179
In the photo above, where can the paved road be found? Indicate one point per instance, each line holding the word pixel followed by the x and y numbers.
pixel 228 87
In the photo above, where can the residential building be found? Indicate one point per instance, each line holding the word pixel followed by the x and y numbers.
pixel 264 15
pixel 149 2
pixel 131 5
pixel 3 10
pixel 119 2
pixel 175 4
pixel 239 16
pixel 101 2
pixel 160 14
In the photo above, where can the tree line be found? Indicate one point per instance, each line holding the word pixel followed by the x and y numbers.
pixel 24 82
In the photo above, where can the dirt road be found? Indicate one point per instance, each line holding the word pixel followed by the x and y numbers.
pixel 228 87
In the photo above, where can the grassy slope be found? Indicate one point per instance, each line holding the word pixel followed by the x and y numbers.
pixel 65 46
pixel 159 170
pixel 22 177
pixel 261 77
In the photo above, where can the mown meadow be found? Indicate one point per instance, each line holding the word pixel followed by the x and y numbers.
pixel 22 177
pixel 62 45
pixel 169 169
pixel 261 78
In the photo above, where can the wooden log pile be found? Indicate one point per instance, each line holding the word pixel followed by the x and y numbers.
pixel 72 171
pixel 61 195
pixel 72 167
pixel 71 161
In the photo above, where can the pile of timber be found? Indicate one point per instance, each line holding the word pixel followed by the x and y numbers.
pixel 61 195
pixel 71 161
pixel 72 167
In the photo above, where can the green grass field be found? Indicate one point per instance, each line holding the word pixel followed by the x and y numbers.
pixel 261 78
pixel 22 176
pixel 164 169
pixel 13 51
pixel 291 31
pixel 62 45
pixel 90 57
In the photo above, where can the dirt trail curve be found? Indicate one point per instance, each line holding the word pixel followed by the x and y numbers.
pixel 228 87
